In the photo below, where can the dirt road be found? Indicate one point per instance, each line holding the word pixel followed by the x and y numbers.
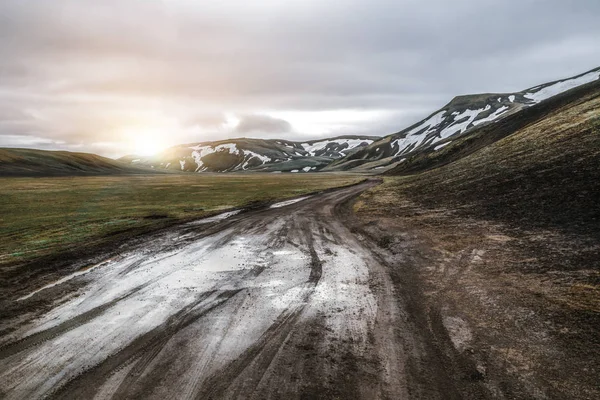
pixel 286 302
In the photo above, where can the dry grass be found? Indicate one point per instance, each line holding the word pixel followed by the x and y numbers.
pixel 42 216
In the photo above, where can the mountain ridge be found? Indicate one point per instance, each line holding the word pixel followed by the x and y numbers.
pixel 251 154
pixel 461 117
pixel 477 139
pixel 462 114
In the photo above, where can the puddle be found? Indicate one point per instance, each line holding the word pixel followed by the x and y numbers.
pixel 288 202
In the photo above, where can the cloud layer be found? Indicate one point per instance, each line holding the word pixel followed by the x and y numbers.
pixel 97 76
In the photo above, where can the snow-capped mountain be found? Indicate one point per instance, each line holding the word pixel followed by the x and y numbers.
pixel 267 155
pixel 458 118
pixel 461 115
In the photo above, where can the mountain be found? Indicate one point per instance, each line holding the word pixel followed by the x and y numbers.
pixel 462 115
pixel 483 137
pixel 265 155
pixel 464 125
pixel 29 162
pixel 542 173
pixel 501 231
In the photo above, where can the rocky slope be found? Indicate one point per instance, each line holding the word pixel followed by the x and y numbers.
pixel 266 155
pixel 459 117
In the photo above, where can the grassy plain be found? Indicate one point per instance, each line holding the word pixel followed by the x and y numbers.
pixel 45 216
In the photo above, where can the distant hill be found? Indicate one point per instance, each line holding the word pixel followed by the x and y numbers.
pixel 461 116
pixel 29 162
pixel 261 155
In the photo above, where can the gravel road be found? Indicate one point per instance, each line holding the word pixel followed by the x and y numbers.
pixel 285 302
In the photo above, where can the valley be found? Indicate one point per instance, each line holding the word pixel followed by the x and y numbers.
pixel 48 224
pixel 288 301
pixel 455 259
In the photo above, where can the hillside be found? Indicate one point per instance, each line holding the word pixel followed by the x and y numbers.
pixel 545 174
pixel 264 155
pixel 30 162
pixel 461 116
pixel 504 240
pixel 476 139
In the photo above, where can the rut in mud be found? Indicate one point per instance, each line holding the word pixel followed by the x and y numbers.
pixel 286 302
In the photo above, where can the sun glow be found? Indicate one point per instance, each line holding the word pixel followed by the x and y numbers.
pixel 146 142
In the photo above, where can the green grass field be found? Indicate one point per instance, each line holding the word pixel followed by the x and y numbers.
pixel 44 216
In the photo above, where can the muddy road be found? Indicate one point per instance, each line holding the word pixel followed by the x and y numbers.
pixel 286 302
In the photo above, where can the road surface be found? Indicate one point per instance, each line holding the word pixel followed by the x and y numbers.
pixel 285 302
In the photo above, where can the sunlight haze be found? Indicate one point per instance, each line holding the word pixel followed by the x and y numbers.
pixel 83 75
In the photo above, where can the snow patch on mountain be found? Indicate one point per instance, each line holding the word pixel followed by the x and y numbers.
pixel 200 152
pixel 457 122
pixel 440 146
pixel 467 117
pixel 432 122
pixel 492 116
pixel 315 147
pixel 250 155
pixel 562 86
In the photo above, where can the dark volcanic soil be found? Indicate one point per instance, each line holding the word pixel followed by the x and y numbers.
pixel 505 243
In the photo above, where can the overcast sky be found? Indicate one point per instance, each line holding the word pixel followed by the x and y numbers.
pixel 106 76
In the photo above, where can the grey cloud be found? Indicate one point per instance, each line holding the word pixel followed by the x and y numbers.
pixel 205 120
pixel 262 124
pixel 89 67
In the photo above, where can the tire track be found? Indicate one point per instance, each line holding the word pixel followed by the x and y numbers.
pixel 259 356
pixel 136 369
pixel 142 350
pixel 48 334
